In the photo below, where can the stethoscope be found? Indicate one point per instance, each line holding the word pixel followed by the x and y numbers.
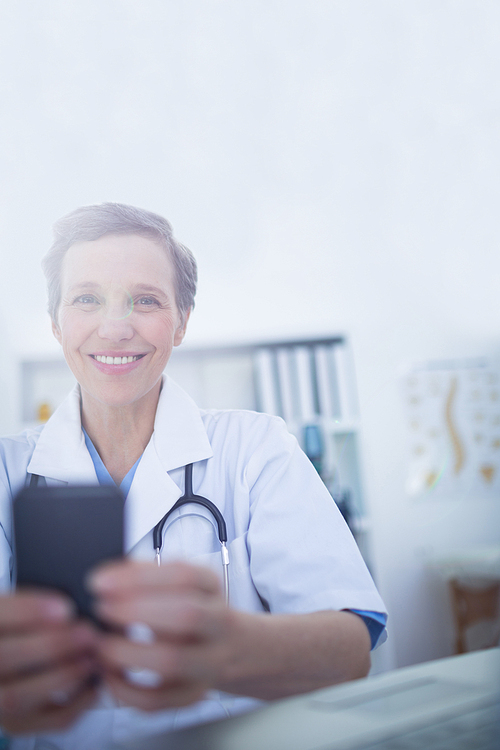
pixel 187 498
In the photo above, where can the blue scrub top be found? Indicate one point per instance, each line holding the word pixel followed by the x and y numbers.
pixel 103 475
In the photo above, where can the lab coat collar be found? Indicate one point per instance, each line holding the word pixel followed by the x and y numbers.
pixel 60 452
pixel 179 438
pixel 179 435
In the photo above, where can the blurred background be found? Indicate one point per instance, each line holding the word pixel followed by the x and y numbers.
pixel 334 166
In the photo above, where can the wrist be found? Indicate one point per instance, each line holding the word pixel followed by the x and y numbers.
pixel 271 656
pixel 253 651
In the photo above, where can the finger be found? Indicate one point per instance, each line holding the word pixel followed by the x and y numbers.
pixel 119 579
pixel 173 695
pixel 118 654
pixel 26 610
pixel 22 697
pixel 199 663
pixel 36 651
pixel 50 717
pixel 181 616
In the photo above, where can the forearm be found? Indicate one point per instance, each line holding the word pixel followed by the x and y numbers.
pixel 200 644
pixel 273 656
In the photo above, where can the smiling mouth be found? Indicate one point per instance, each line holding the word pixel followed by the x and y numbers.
pixel 116 360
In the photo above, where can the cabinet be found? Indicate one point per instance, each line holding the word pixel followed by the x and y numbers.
pixel 310 383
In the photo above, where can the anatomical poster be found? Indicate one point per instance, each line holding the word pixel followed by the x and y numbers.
pixel 453 416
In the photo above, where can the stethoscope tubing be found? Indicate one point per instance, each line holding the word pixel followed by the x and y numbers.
pixel 189 498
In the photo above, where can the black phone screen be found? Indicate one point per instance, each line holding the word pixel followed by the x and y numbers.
pixel 61 533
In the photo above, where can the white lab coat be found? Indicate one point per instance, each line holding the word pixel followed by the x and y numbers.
pixel 290 550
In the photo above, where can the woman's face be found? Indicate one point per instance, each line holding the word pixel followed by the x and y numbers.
pixel 118 319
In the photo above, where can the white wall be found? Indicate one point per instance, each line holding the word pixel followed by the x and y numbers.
pixel 333 165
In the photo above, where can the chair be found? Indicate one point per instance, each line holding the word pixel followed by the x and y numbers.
pixel 472 604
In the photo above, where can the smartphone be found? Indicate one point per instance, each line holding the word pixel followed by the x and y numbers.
pixel 61 533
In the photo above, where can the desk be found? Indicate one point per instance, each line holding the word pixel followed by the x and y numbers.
pixel 443 704
pixel 473 578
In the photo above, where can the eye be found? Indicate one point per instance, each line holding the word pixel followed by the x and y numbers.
pixel 147 303
pixel 86 302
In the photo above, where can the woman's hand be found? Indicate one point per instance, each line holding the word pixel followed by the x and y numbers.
pixel 198 643
pixel 184 609
pixel 46 662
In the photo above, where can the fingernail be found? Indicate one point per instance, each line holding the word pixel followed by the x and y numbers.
pixel 139 632
pixel 146 678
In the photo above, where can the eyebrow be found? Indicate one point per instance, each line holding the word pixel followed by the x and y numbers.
pixel 146 288
pixel 149 289
pixel 83 285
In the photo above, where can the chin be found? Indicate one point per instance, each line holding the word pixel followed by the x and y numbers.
pixel 118 396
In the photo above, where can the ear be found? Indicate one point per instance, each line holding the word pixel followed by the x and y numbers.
pixel 181 331
pixel 56 331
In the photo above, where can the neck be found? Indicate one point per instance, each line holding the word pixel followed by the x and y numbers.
pixel 120 433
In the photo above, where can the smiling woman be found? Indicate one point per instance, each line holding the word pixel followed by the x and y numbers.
pixel 117 323
pixel 303 608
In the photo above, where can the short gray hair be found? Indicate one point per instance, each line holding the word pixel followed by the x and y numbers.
pixel 91 222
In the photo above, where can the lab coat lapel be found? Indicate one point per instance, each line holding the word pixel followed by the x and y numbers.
pixel 179 438
pixel 60 453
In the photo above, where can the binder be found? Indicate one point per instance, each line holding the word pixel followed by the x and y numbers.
pixel 304 377
pixel 266 382
pixel 344 374
pixel 289 413
pixel 324 365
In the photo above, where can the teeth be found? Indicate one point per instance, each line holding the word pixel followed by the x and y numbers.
pixel 114 360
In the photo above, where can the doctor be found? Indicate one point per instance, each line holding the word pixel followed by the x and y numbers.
pixel 303 609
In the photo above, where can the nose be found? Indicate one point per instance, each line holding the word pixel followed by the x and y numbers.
pixel 115 322
pixel 115 330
